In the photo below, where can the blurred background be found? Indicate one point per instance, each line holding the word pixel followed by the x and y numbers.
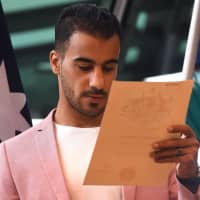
pixel 154 41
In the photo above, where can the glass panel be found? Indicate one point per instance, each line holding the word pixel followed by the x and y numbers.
pixel 155 35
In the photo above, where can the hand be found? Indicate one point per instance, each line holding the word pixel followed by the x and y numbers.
pixel 181 150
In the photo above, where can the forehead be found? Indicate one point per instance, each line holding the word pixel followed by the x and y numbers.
pixel 83 44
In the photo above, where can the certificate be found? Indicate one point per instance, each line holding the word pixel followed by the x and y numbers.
pixel 137 115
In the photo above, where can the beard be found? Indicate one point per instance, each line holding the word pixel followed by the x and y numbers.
pixel 75 102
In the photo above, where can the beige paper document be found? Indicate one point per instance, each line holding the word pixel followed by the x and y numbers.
pixel 137 115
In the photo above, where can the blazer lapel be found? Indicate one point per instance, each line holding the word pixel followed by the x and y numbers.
pixel 49 157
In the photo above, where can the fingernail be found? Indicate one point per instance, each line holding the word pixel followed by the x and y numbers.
pixel 155 145
pixel 170 128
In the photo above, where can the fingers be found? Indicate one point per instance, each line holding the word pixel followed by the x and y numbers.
pixel 175 143
pixel 175 155
pixel 182 159
pixel 181 128
pixel 189 138
pixel 182 150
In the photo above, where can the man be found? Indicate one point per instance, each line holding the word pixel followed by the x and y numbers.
pixel 49 161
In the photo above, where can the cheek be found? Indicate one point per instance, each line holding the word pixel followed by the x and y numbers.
pixel 80 84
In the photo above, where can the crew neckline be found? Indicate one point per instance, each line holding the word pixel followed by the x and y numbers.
pixel 75 127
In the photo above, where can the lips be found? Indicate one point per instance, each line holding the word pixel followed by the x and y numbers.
pixel 97 96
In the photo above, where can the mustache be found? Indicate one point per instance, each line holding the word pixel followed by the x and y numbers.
pixel 95 91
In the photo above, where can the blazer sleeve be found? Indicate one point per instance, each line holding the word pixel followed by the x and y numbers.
pixel 177 191
pixel 7 187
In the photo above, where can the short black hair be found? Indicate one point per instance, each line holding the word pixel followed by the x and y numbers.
pixel 84 17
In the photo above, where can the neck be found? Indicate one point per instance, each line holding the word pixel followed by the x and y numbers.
pixel 66 115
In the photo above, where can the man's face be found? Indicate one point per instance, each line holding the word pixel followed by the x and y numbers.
pixel 87 69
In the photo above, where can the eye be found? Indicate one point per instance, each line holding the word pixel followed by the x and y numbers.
pixel 108 68
pixel 85 68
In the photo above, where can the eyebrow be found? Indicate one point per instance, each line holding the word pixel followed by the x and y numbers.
pixel 84 59
pixel 88 60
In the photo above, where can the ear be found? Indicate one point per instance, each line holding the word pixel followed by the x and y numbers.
pixel 55 61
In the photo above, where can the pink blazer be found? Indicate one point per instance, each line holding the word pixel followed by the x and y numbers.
pixel 30 170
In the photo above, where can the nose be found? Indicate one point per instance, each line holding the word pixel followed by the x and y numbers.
pixel 97 79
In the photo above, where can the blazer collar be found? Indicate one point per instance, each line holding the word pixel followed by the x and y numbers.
pixel 49 157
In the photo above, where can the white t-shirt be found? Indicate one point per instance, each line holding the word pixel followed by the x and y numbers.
pixel 75 147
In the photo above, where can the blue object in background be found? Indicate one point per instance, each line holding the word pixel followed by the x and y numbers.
pixel 193 116
pixel 198 56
